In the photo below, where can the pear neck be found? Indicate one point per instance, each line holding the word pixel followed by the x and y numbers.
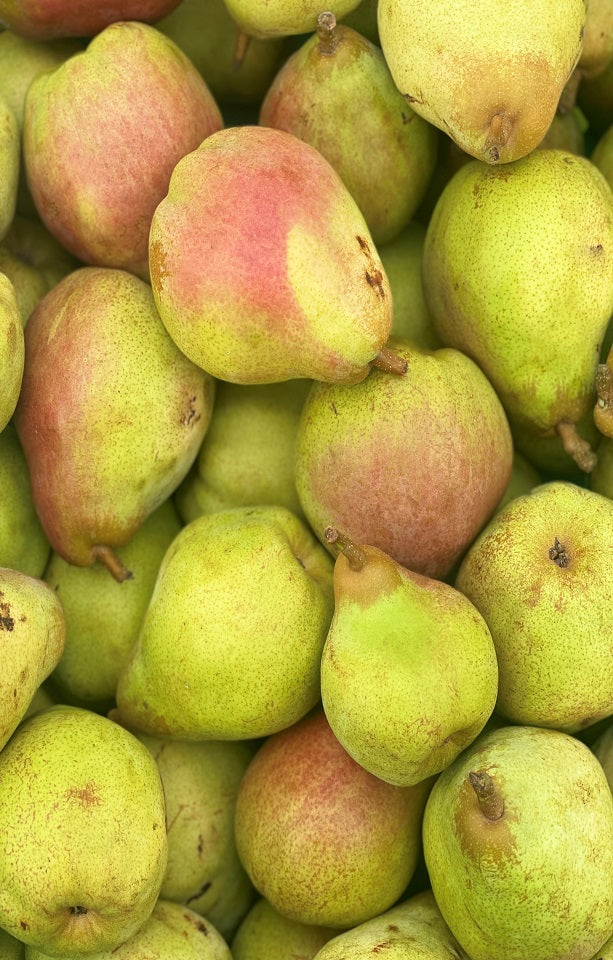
pixel 491 803
pixel 326 32
pixel 355 556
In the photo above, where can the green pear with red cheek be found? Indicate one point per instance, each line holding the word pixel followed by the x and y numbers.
pixel 76 18
pixel 96 184
pixel 280 284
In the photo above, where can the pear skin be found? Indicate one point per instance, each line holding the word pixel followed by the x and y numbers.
pixel 522 480
pixel 265 934
pixel 77 18
pixel 602 156
pixel 603 749
pixel 281 18
pixel 10 152
pixel 597 52
pixel 23 545
pixel 603 409
pixel 10 948
pixel 12 350
pixel 402 262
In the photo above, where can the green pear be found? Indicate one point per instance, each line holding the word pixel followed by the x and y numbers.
pixel 518 842
pixel 383 152
pixel 111 415
pixel 10 153
pixel 42 699
pixel 490 79
pixel 363 18
pixel 602 156
pixel 172 932
pixel 597 52
pixel 231 642
pixel 103 617
pixel 523 478
pixel 32 631
pixel 595 97
pixel 540 575
pixel 247 456
pixel 605 952
pixel 10 948
pixel 566 133
pixel 414 930
pixel 601 477
pixel 200 783
pixel 324 841
pixel 12 350
pixel 23 60
pixel 402 263
pixel 23 545
pixel 408 671
pixel 527 296
pixel 547 453
pixel 82 834
pixel 281 18
pixel 603 748
pixel 265 934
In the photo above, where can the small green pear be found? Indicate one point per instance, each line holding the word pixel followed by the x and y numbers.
pixel 266 934
pixel 408 671
pixel 82 833
pixel 523 478
pixel 200 783
pixel 12 351
pixel 557 457
pixel 23 544
pixel 32 632
pixel 402 263
pixel 603 748
pixel 518 842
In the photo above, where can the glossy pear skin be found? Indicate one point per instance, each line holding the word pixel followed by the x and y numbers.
pixel 32 632
pixel 540 575
pixel 82 833
pixel 538 881
pixel 12 350
pixel 265 934
pixel 408 671
pixel 285 284
pixel 518 273
pixel 96 350
pixel 493 83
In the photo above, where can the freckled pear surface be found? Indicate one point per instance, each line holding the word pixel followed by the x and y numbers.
pixel 283 283
pixel 488 74
pixel 282 18
pixel 538 881
pixel 12 350
pixel 82 833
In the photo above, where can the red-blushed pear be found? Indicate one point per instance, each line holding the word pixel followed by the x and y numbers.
pixel 102 134
pixel 284 284
pixel 76 18
pixel 110 416
pixel 413 465
pixel 323 840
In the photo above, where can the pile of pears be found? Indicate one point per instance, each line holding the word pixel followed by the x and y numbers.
pixel 306 480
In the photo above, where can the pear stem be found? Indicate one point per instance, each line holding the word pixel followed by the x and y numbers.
pixel 390 362
pixel 490 801
pixel 500 128
pixel 576 447
pixel 326 32
pixel 240 48
pixel 356 558
pixel 112 563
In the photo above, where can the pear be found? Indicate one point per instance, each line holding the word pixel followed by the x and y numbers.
pixel 42 699
pixel 76 18
pixel 548 455
pixel 523 478
pixel 324 841
pixel 528 297
pixel 82 834
pixel 595 97
pixel 281 18
pixel 408 671
pixel 383 152
pixel 602 155
pixel 597 52
pixel 23 545
pixel 12 350
pixel 111 415
pixel 605 952
pixel 566 132
pixel 265 934
pixel 172 932
pixel 490 76
pixel 23 60
pixel 10 152
pixel 32 631
pixel 220 655
pixel 200 783
pixel 247 456
pixel 103 617
pixel 285 285
pixel 601 478
pixel 540 575
pixel 413 930
pixel 413 465
pixel 10 948
pixel 603 749
pixel 363 18
pixel 603 409
pixel 402 263
pixel 518 842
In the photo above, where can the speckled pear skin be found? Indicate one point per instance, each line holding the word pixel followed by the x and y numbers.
pixel 414 930
pixel 408 671
pixel 95 184
pixel 23 545
pixel 265 934
pixel 285 284
pixel 172 932
pixel 32 634
pixel 111 414
pixel 324 841
pixel 82 833
pixel 518 273
pixel 200 783
pixel 597 52
pixel 492 84
pixel 540 575
pixel 538 881
pixel 12 350
pixel 383 152
pixel 219 656
pixel 281 18
pixel 103 617
pixel 75 18
pixel 10 152
pixel 373 459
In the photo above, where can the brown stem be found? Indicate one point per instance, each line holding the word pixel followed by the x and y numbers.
pixel 490 801
pixel 326 32
pixel 112 563
pixel 576 447
pixel 240 48
pixel 603 411
pixel 390 362
pixel 498 136
pixel 356 558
